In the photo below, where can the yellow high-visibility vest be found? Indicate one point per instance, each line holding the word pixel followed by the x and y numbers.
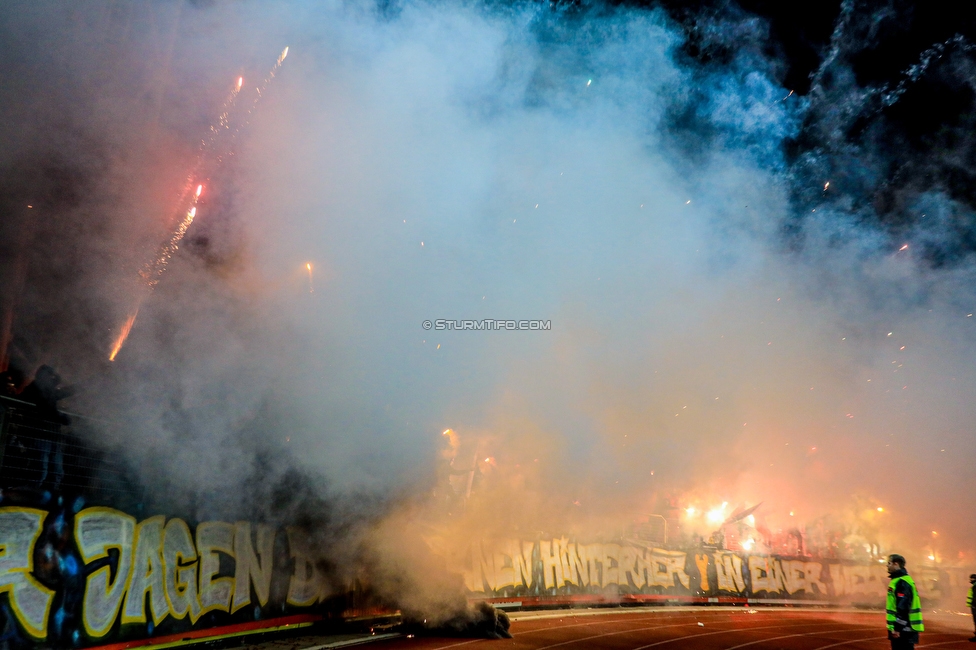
pixel 914 614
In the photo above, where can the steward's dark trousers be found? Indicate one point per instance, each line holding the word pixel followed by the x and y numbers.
pixel 902 643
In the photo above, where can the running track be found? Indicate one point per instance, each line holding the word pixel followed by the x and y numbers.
pixel 704 629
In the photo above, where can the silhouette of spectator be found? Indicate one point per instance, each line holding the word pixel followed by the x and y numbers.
pixel 44 392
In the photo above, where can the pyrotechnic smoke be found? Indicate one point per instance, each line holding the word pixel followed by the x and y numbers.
pixel 735 316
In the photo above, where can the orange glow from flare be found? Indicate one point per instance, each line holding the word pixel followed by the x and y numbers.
pixel 240 82
pixel 123 334
pixel 199 190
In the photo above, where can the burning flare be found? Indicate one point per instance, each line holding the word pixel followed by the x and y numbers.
pixel 717 515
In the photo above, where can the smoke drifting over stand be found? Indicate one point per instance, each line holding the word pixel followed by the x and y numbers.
pixel 756 292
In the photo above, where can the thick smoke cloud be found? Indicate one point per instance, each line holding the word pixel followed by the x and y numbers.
pixel 725 325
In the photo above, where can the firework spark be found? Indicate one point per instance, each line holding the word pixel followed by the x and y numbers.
pixel 123 334
pixel 218 145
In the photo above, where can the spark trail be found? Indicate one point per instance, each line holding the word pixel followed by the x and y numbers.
pixel 214 149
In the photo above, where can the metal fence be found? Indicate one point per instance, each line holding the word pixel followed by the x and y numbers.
pixel 41 455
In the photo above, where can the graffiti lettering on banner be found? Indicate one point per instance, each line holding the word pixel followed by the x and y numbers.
pixel 137 572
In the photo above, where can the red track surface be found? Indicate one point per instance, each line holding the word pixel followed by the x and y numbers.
pixel 705 629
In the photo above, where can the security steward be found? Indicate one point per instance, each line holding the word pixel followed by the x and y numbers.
pixel 970 604
pixel 903 610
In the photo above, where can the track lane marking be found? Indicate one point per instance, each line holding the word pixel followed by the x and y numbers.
pixel 600 636
pixel 520 617
pixel 834 645
pixel 455 645
pixel 695 636
pixel 787 636
pixel 929 645
pixel 564 627
pixel 885 638
pixel 715 616
pixel 659 627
